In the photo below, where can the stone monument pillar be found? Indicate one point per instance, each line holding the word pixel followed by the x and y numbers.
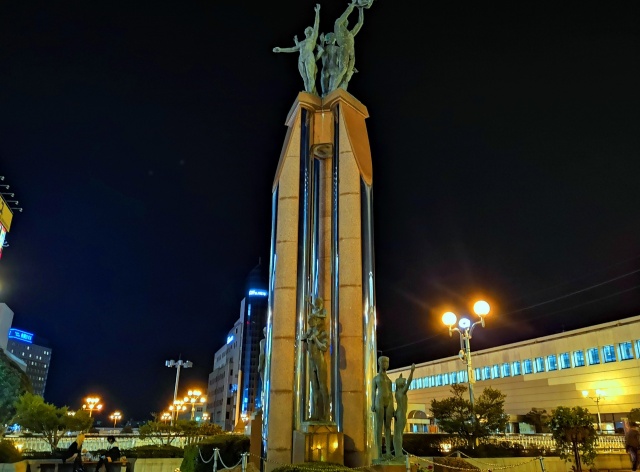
pixel 321 246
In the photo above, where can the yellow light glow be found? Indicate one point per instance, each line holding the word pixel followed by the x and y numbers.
pixel 449 318
pixel 585 393
pixel 481 308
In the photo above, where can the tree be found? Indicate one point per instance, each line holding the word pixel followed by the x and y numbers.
pixel 33 413
pixel 163 433
pixel 455 415
pixel 539 419
pixel 574 434
pixel 13 383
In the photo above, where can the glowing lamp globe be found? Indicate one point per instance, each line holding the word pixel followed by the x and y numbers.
pixel 464 323
pixel 449 318
pixel 481 308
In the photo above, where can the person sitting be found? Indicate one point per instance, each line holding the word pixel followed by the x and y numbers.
pixel 112 454
pixel 74 453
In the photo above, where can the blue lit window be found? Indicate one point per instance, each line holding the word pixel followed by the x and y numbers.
pixel 578 358
pixel 432 381
pixel 516 368
pixel 527 366
pixel 445 379
pixel 565 361
pixel 638 349
pixel 438 380
pixel 539 364
pixel 593 355
pixel 477 373
pixel 418 382
pixel 496 371
pixel 487 373
pixel 552 362
pixel 506 370
pixel 462 375
pixel 608 353
pixel 453 376
pixel 624 351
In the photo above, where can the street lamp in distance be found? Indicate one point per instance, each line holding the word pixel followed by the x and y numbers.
pixel 178 365
pixel 115 417
pixel 176 408
pixel 194 397
pixel 165 417
pixel 599 396
pixel 92 403
pixel 465 330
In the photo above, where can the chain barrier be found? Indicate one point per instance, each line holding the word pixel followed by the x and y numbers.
pixel 216 455
pixel 496 466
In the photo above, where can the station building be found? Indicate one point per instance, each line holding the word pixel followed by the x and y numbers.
pixel 603 361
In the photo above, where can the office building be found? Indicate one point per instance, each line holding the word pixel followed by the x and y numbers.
pixel 35 352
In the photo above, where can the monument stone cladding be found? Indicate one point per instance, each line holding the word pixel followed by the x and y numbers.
pixel 321 338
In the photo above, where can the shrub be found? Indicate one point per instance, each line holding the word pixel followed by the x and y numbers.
pixel 154 451
pixel 309 466
pixel 231 447
pixel 8 453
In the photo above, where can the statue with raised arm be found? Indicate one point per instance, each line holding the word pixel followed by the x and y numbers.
pixel 317 344
pixel 346 42
pixel 307 58
pixel 382 396
pixel 402 387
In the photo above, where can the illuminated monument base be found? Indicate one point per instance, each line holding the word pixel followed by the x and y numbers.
pixel 322 246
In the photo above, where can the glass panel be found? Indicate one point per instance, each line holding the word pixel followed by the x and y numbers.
pixel 487 373
pixel 516 368
pixel 578 358
pixel 445 379
pixel 527 366
pixel 552 363
pixel 539 364
pixel 593 355
pixel 506 370
pixel 638 349
pixel 565 361
pixel 453 376
pixel 438 380
pixel 478 373
pixel 609 353
pixel 496 371
pixel 624 351
pixel 463 376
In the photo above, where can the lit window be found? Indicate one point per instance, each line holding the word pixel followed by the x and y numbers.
pixel 608 353
pixel 477 372
pixel 453 376
pixel 516 368
pixel 539 365
pixel 462 375
pixel 487 373
pixel 496 371
pixel 438 380
pixel 593 356
pixel 445 379
pixel 432 380
pixel 552 362
pixel 624 351
pixel 425 382
pixel 418 383
pixel 565 361
pixel 578 358
pixel 506 370
pixel 527 366
pixel 638 349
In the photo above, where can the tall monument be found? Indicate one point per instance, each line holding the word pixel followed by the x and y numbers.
pixel 321 338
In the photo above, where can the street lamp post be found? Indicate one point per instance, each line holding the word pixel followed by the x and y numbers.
pixel 178 365
pixel 599 396
pixel 194 397
pixel 176 408
pixel 465 330
pixel 165 417
pixel 92 403
pixel 115 416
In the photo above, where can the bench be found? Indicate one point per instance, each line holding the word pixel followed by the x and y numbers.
pixel 89 466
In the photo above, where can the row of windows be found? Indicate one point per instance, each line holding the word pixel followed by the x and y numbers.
pixel 566 360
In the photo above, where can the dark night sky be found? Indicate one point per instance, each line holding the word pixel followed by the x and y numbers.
pixel 141 139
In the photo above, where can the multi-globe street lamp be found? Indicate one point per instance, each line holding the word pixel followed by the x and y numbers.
pixel 92 403
pixel 465 330
pixel 599 396
pixel 165 417
pixel 176 408
pixel 194 397
pixel 115 417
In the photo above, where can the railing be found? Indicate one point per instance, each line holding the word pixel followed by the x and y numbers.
pixel 604 443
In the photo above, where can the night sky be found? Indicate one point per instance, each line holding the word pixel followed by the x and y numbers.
pixel 142 138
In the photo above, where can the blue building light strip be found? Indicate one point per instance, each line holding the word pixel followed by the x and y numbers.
pixel 21 335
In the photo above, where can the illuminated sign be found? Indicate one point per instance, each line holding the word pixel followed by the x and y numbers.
pixel 258 293
pixel 20 335
pixel 229 338
pixel 6 215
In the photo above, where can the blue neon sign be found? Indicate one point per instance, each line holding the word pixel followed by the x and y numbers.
pixel 229 338
pixel 253 292
pixel 20 335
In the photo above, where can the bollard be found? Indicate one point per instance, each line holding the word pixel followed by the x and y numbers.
pixel 541 463
pixel 244 462
pixel 215 459
pixel 407 463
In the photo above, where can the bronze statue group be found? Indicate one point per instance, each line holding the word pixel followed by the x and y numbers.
pixel 336 51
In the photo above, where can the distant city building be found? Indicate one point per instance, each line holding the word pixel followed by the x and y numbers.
pixel 234 390
pixel 6 320
pixel 603 361
pixel 35 353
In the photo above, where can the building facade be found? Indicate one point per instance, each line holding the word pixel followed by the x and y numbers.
pixel 35 352
pixel 234 389
pixel 564 369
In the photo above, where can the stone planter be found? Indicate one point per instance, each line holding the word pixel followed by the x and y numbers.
pixel 14 467
pixel 153 465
